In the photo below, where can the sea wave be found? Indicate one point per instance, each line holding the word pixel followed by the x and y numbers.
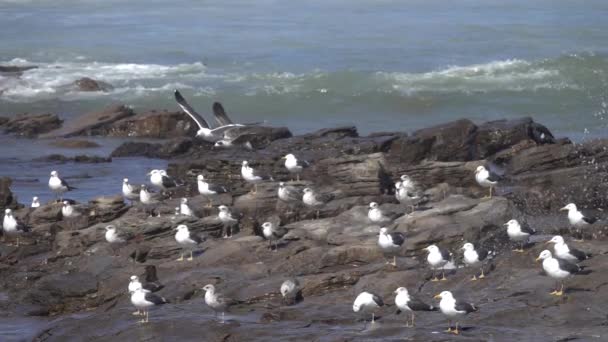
pixel 131 80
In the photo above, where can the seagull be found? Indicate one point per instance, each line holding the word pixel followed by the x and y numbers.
pixel 205 132
pixel 377 215
pixel 135 284
pixel 486 178
pixel 184 209
pixel 518 232
pixel 289 194
pixel 143 300
pixel 129 191
pixel 187 239
pixel 295 165
pixel 227 218
pixel 451 307
pixel 368 302
pixel 58 185
pixel 113 236
pixel 562 251
pixel 216 301
pixel 161 180
pixel 406 302
pixel 576 218
pixel 390 243
pixel 475 257
pixel 147 198
pixel 11 226
pixel 272 233
pixel 251 176
pixel 290 290
pixel 315 200
pixel 209 190
pixel 437 258
pixel 557 269
pixel 407 192
pixel 35 202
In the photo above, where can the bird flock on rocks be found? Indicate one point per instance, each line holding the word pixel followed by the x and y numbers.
pixel 559 264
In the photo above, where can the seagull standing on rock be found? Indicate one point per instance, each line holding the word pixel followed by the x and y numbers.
pixel 486 178
pixel 209 190
pixel 562 251
pixel 58 185
pixel 368 302
pixel 315 200
pixel 517 232
pixel 35 202
pixel 437 258
pixel 557 269
pixel 407 302
pixel 216 301
pixel 576 218
pixel 253 177
pixel 143 300
pixel 290 289
pixel 161 180
pixel 135 284
pixel 113 236
pixel 475 257
pixel 451 307
pixel 289 194
pixel 272 233
pixel 129 191
pixel 228 219
pixel 11 226
pixel 377 215
pixel 187 240
pixel 147 199
pixel 390 243
pixel 184 209
pixel 295 165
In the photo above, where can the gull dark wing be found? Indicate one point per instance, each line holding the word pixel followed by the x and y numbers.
pixel 157 300
pixel 417 305
pixel 302 163
pixel 64 183
pixel 377 299
pixel 446 255
pixel 168 182
pixel 482 254
pixel 589 220
pixel 568 266
pixel 580 255
pixel 220 114
pixel 526 229
pixel 464 306
pixel 220 189
pixel 185 106
pixel 540 134
pixel 196 238
pixel 279 232
pixel 492 177
pixel 324 197
pixel 398 238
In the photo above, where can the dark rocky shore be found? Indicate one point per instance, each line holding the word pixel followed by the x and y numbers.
pixel 66 275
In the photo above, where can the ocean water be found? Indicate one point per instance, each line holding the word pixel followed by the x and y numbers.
pixel 379 64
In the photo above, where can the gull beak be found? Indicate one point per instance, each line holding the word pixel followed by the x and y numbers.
pixel 537 259
pixel 563 209
pixel 506 224
pixel 283 157
pixel 548 242
pixel 438 296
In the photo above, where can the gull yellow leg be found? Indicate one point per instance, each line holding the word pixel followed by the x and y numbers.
pixel 181 258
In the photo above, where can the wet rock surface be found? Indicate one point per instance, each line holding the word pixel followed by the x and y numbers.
pixel 89 84
pixel 66 270
pixel 31 125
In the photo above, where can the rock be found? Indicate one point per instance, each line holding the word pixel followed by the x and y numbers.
pixel 71 143
pixel 16 69
pixel 76 159
pixel 91 123
pixel 29 125
pixel 452 141
pixel 495 136
pixel 7 199
pixel 153 124
pixel 170 149
pixel 89 84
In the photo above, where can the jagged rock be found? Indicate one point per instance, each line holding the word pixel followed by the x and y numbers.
pixel 92 123
pixel 31 125
pixel 76 159
pixel 89 84
pixel 153 124
pixel 7 199
pixel 71 143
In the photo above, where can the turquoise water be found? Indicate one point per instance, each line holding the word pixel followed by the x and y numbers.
pixel 382 65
